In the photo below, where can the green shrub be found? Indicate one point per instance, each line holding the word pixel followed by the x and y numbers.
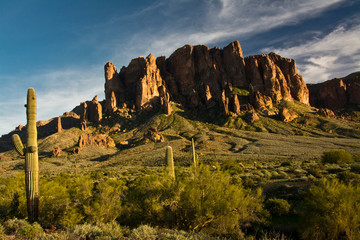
pixel 336 156
pixel 2 232
pixel 355 168
pixel 106 202
pixel 13 225
pixel 349 177
pixel 29 231
pixel 210 203
pixel 231 166
pixel 331 211
pixel 277 206
pixel 315 171
pixel 151 199
pixel 100 231
pixel 356 157
pixel 143 232
pixel 12 200
pixel 87 231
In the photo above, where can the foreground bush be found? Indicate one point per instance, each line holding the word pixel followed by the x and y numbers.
pixel 277 206
pixel 23 229
pixel 210 203
pixel 331 211
pixel 336 156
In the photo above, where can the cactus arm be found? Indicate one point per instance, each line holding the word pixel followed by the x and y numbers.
pixel 19 147
pixel 170 161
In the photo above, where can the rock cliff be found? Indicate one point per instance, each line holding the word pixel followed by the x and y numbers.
pixel 199 77
pixel 336 93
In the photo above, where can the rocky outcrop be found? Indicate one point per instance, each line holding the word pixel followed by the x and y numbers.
pixel 287 115
pixel 199 77
pixel 59 126
pixel 326 112
pixel 101 140
pixel 57 152
pixel 90 111
pixel 336 93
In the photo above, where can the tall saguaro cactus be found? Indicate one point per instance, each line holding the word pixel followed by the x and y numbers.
pixel 170 161
pixel 31 157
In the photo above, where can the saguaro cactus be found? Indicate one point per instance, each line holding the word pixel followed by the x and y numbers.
pixel 193 152
pixel 31 157
pixel 170 161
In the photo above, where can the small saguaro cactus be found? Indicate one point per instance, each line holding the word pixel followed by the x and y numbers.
pixel 193 152
pixel 170 161
pixel 31 157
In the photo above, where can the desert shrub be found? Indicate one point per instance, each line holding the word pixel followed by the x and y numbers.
pixel 356 157
pixel 13 225
pixel 29 231
pixel 315 171
pixel 336 156
pixel 87 231
pixel 170 234
pixel 355 168
pixel 143 232
pixel 231 166
pixel 285 164
pixel 277 206
pixel 151 199
pixel 331 211
pixel 12 197
pixel 2 232
pixel 106 201
pixel 100 231
pixel 211 204
pixel 349 177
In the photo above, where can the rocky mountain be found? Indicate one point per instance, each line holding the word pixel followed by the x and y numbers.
pixel 220 82
pixel 199 77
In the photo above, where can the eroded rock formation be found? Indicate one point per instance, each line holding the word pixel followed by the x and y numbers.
pixel 199 77
pixel 336 93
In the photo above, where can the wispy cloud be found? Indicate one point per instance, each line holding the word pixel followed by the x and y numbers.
pixel 335 55
pixel 221 20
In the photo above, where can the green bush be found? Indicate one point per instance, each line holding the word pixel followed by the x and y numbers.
pixel 355 168
pixel 29 231
pixel 100 231
pixel 12 197
pixel 336 156
pixel 349 177
pixel 211 204
pixel 14 224
pixel 2 232
pixel 106 202
pixel 315 171
pixel 232 167
pixel 151 199
pixel 143 232
pixel 277 206
pixel 331 211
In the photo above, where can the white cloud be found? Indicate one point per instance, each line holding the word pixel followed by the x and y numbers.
pixel 334 55
pixel 57 92
pixel 220 21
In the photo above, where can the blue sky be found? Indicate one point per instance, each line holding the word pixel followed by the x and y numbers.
pixel 60 47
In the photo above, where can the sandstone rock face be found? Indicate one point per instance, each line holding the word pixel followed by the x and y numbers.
pixel 90 111
pixel 59 126
pixel 336 93
pixel 153 135
pixel 57 152
pixel 286 115
pixel 199 77
pixel 101 140
pixel 275 77
pixel 326 112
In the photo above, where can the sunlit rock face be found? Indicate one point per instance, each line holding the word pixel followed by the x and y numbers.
pixel 199 77
pixel 336 93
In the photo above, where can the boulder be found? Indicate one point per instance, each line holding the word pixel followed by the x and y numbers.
pixel 57 152
pixel 326 112
pixel 101 140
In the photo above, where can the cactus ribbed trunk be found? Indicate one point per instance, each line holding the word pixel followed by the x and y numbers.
pixel 31 157
pixel 170 161
pixel 193 152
